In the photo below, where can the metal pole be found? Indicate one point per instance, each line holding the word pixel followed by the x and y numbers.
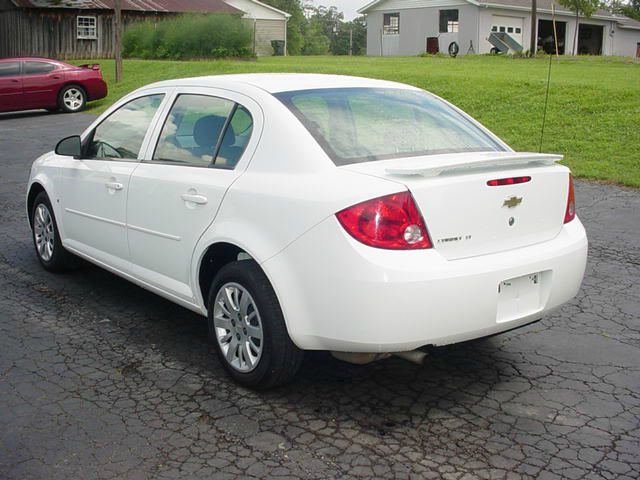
pixel 351 42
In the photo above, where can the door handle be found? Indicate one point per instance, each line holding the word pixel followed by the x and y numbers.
pixel 114 186
pixel 194 198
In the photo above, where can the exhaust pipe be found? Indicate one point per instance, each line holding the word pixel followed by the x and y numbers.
pixel 414 356
pixel 362 358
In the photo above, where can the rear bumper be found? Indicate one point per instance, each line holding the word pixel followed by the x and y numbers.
pixel 96 89
pixel 337 294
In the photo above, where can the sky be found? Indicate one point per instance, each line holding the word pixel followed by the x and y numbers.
pixel 348 7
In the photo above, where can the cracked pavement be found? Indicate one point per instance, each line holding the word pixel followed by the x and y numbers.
pixel 100 379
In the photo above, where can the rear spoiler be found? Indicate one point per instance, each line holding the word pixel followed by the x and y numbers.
pixel 437 164
pixel 90 66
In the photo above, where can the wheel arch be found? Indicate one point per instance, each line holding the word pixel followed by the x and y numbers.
pixel 34 190
pixel 214 257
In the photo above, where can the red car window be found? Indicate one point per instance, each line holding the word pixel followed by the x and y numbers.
pixel 9 69
pixel 31 68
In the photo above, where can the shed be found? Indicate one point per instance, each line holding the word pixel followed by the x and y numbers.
pixel 84 28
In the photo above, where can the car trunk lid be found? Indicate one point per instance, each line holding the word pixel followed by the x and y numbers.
pixel 465 215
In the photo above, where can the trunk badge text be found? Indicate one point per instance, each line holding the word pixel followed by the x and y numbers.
pixel 512 202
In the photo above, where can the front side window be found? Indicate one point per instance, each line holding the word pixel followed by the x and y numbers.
pixel 391 24
pixel 32 68
pixel 121 134
pixel 448 21
pixel 9 69
pixel 86 28
pixel 204 131
pixel 357 125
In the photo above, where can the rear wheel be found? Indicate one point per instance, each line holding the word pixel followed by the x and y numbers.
pixel 72 98
pixel 46 238
pixel 247 328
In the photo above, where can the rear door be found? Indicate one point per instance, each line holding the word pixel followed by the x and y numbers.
pixel 40 82
pixel 94 188
pixel 198 151
pixel 10 86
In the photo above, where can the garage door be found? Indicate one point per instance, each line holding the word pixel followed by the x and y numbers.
pixel 510 25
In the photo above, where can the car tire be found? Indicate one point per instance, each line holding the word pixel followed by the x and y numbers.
pixel 247 328
pixel 46 237
pixel 72 99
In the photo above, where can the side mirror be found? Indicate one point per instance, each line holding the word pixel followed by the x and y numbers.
pixel 70 146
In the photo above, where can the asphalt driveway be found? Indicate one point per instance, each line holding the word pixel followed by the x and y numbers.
pixel 101 379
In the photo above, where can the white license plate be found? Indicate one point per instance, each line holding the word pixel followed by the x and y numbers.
pixel 519 297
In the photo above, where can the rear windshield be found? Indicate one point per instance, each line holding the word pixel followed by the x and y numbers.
pixel 364 124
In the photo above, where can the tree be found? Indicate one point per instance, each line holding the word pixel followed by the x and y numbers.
pixel 584 7
pixel 533 45
pixel 117 38
pixel 351 34
pixel 315 40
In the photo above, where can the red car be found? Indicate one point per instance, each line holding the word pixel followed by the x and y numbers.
pixel 28 83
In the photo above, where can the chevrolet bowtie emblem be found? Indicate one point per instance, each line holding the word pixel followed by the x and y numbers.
pixel 512 202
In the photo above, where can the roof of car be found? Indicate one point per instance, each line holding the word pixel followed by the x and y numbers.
pixel 283 82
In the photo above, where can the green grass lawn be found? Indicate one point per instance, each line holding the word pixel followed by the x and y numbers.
pixel 594 104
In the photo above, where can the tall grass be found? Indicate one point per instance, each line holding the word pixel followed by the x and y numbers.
pixel 189 36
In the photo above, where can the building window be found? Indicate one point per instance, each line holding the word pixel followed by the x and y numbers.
pixel 448 21
pixel 391 24
pixel 87 28
pixel 518 30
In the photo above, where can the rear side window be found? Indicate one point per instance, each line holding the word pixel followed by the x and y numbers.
pixel 357 125
pixel 121 134
pixel 31 68
pixel 204 131
pixel 9 69
pixel 235 139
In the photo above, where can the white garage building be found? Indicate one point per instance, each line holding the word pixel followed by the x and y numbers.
pixel 410 27
pixel 269 24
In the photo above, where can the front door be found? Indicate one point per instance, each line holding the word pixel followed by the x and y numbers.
pixel 40 82
pixel 175 194
pixel 94 188
pixel 10 86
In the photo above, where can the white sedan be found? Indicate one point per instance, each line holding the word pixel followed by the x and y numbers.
pixel 312 212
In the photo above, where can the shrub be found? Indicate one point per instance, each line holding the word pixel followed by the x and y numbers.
pixel 189 36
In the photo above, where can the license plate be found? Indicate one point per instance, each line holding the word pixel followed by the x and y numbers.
pixel 519 297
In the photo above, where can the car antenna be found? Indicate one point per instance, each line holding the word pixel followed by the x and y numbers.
pixel 546 98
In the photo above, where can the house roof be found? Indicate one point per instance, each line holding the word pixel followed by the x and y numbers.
pixel 525 5
pixel 169 6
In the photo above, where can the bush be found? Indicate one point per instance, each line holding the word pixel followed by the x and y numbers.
pixel 189 36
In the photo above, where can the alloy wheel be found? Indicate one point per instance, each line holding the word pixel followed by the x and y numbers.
pixel 73 98
pixel 44 232
pixel 238 327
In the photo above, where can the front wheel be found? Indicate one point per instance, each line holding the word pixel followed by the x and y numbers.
pixel 72 98
pixel 46 237
pixel 247 328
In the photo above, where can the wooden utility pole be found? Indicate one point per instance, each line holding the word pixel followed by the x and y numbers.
pixel 533 47
pixel 117 38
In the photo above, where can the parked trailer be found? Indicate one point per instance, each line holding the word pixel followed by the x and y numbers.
pixel 503 42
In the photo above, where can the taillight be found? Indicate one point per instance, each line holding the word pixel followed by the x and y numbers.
pixel 570 212
pixel 392 222
pixel 508 181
